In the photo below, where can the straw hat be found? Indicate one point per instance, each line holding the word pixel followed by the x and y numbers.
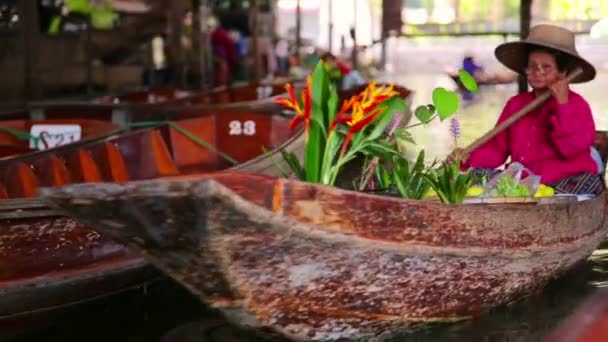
pixel 514 55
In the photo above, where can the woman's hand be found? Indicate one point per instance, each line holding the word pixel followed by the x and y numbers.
pixel 459 154
pixel 560 90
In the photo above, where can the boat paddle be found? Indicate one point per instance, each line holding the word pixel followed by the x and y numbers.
pixel 519 114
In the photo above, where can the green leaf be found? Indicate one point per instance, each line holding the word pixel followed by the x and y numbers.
pixel 294 164
pixel 313 153
pixel 320 93
pixel 390 107
pixel 380 149
pixel 423 114
pixel 315 143
pixel 468 81
pixel 315 120
pixel 332 105
pixel 276 164
pixel 405 135
pixel 446 102
pixel 332 147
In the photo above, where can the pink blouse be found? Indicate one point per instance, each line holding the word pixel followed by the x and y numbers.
pixel 553 140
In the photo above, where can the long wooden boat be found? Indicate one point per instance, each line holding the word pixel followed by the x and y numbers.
pixel 589 323
pixel 404 92
pixel 319 263
pixel 163 103
pixel 12 143
pixel 507 78
pixel 49 261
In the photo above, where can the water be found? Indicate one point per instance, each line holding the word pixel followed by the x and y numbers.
pixel 164 311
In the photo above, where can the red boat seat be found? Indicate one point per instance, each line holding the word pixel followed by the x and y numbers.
pixel 83 167
pixel 51 171
pixel 20 181
pixel 110 162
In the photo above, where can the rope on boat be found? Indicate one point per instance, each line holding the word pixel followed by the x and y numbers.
pixel 22 135
pixel 187 134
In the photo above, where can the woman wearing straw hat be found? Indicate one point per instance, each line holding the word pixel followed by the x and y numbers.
pixel 555 139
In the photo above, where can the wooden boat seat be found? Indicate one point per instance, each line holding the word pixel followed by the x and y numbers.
pixel 143 162
pixel 3 193
pixel 83 168
pixel 187 153
pixel 110 162
pixel 51 171
pixel 20 181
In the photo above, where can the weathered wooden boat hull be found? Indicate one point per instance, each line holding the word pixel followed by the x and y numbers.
pixel 319 263
pixel 49 261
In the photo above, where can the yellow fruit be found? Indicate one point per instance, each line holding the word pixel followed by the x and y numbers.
pixel 474 191
pixel 544 191
pixel 430 193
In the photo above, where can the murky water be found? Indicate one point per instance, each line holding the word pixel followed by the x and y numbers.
pixel 166 312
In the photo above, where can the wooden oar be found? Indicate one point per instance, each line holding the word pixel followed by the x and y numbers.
pixel 508 122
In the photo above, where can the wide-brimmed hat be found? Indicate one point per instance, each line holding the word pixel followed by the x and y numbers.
pixel 514 55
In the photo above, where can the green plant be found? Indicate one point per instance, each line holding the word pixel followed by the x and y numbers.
pixel 449 183
pixel 409 179
pixel 335 137
pixel 361 128
pixel 508 187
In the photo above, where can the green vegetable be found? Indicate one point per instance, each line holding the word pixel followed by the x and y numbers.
pixel 508 187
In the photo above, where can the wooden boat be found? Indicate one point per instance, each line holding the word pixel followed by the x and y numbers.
pixel 49 261
pixel 497 79
pixel 12 144
pixel 161 104
pixel 346 94
pixel 147 95
pixel 589 323
pixel 319 263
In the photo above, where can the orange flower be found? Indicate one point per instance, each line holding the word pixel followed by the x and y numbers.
pixel 341 116
pixel 364 109
pixel 292 103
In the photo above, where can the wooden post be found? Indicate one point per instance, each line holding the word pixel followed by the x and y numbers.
pixel 88 50
pixel 353 33
pixel 298 28
pixel 255 44
pixel 391 22
pixel 524 30
pixel 206 60
pixel 29 30
pixel 196 45
pixel 175 15
pixel 330 40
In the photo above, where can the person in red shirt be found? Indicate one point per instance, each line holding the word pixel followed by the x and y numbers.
pixel 350 77
pixel 554 140
pixel 224 53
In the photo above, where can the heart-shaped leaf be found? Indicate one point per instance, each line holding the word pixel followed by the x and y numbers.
pixel 468 81
pixel 446 102
pixel 423 114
